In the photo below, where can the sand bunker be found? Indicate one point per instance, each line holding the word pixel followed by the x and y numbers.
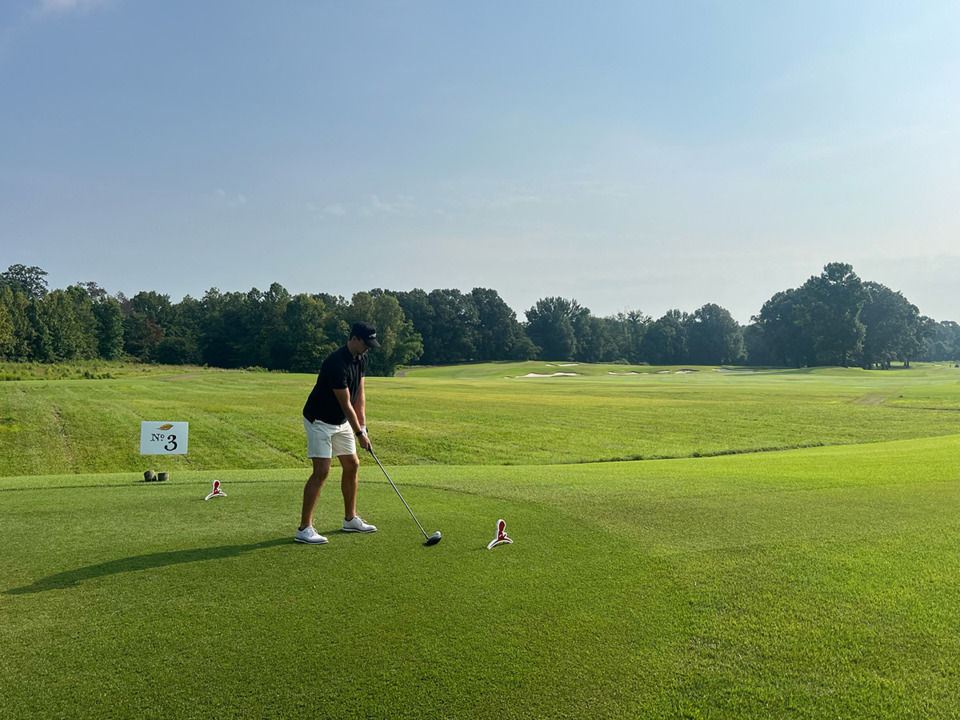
pixel 556 374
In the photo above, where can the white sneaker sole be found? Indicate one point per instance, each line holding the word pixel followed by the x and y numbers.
pixel 358 531
pixel 322 541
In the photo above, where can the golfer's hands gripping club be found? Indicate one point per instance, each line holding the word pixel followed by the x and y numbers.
pixel 364 441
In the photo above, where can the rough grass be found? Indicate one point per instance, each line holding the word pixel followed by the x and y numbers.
pixel 804 584
pixel 432 416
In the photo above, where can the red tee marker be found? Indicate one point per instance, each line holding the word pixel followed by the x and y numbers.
pixel 501 538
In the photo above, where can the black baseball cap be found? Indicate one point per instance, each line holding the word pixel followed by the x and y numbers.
pixel 366 332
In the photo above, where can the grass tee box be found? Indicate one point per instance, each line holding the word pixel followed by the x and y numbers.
pixel 803 584
pixel 710 580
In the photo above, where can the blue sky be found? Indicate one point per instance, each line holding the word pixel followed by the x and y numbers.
pixel 630 155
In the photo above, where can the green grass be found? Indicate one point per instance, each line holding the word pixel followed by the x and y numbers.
pixel 819 581
pixel 432 416
pixel 809 583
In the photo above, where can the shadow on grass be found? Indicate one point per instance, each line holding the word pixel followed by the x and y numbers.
pixel 71 578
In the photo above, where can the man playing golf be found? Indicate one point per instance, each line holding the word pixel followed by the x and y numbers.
pixel 335 420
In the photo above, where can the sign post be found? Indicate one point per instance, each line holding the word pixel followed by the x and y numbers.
pixel 163 438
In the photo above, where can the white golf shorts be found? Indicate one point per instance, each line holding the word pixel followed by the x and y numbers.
pixel 328 441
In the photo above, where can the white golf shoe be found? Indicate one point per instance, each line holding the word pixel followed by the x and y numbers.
pixel 311 536
pixel 356 524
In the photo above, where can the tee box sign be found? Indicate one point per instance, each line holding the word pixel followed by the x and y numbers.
pixel 163 438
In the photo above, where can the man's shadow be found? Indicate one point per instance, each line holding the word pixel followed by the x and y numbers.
pixel 71 578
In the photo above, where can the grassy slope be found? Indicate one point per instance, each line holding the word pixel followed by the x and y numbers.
pixel 251 420
pixel 796 584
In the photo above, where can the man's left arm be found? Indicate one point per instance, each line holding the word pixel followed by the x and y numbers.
pixel 360 405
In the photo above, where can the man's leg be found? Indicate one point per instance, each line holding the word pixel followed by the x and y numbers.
pixel 348 484
pixel 311 491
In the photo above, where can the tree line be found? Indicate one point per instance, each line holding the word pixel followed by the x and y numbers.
pixel 832 319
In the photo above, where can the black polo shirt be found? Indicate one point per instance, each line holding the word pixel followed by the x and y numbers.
pixel 340 370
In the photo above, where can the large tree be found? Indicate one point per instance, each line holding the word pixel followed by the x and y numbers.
pixel 29 280
pixel 498 334
pixel 307 342
pixel 627 330
pixel 892 326
pixel 665 342
pixel 109 316
pixel 596 339
pixel 943 342
pixel 781 334
pixel 70 323
pixel 550 325
pixel 714 337
pixel 452 328
pixel 835 298
pixel 16 310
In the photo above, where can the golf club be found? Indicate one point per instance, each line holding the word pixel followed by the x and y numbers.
pixel 433 539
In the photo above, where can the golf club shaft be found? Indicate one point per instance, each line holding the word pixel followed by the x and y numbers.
pixel 400 496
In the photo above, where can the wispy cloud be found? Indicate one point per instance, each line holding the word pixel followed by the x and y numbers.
pixel 371 206
pixel 230 200
pixel 403 204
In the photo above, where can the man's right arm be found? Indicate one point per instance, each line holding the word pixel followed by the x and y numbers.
pixel 343 397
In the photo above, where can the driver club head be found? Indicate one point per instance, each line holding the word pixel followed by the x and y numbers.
pixel 433 539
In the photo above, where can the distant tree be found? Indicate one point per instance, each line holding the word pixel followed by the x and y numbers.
pixel 627 330
pixel 550 326
pixel 665 342
pixel 182 342
pixel 758 353
pixel 714 337
pixel 146 317
pixel 943 342
pixel 451 328
pixel 225 329
pixel 913 348
pixel 93 290
pixel 29 280
pixel 6 328
pixel 834 301
pixel 781 337
pixel 176 349
pixel 153 305
pixel 417 309
pixel 306 318
pixel 14 307
pixel 596 339
pixel 892 326
pixel 109 317
pixel 399 343
pixel 498 335
pixel 70 324
pixel 266 342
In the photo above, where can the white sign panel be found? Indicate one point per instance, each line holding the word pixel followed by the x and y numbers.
pixel 163 438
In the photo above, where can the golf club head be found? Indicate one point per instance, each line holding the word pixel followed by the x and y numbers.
pixel 433 539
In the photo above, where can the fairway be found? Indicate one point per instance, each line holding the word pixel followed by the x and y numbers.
pixel 717 581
